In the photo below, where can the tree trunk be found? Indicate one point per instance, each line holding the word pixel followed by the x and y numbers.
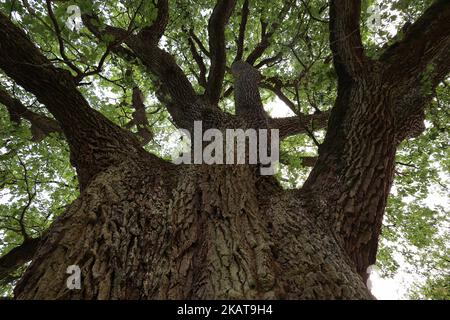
pixel 194 232
pixel 143 228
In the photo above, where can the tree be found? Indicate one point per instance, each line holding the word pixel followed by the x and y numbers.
pixel 145 228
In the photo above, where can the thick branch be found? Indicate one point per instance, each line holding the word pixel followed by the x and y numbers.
pixel 156 30
pixel 18 256
pixel 41 126
pixel 246 92
pixel 425 48
pixel 216 30
pixel 345 37
pixel 266 36
pixel 173 87
pixel 308 161
pixel 242 28
pixel 95 142
pixel 290 126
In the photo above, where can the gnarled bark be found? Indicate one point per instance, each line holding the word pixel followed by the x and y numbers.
pixel 203 232
pixel 144 229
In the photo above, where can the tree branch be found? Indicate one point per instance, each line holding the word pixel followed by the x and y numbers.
pixel 60 39
pixel 421 61
pixel 276 87
pixel 200 63
pixel 247 98
pixel 55 88
pixel 18 257
pixel 306 161
pixel 242 27
pixel 140 117
pixel 173 87
pixel 290 126
pixel 41 126
pixel 269 61
pixel 216 31
pixel 199 43
pixel 425 47
pixel 155 31
pixel 345 37
pixel 266 36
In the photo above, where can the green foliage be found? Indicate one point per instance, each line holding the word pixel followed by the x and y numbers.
pixel 434 289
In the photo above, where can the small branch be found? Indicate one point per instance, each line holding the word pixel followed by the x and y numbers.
pixel 304 161
pixel 276 87
pixel 199 43
pixel 242 27
pixel 31 196
pixel 266 36
pixel 97 70
pixel 406 164
pixel 269 61
pixel 60 39
pixel 200 63
pixel 310 13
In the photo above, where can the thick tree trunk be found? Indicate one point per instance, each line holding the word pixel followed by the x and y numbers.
pixel 197 232
pixel 145 229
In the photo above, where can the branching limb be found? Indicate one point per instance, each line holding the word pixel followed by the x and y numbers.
pixel 216 31
pixel 242 27
pixel 41 126
pixel 55 88
pixel 266 35
pixel 301 124
pixel 17 257
pixel 57 30
pixel 425 48
pixel 345 37
pixel 173 88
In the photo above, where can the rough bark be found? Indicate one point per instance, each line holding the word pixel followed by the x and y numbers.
pixel 146 229
pixel 211 232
